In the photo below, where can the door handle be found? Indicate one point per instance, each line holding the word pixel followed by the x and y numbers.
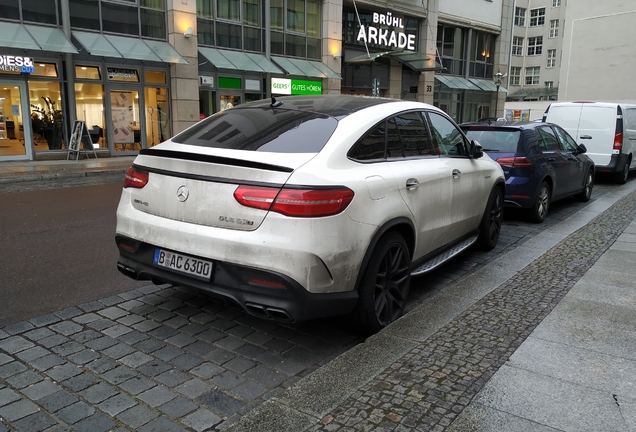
pixel 412 183
pixel 456 173
pixel 586 137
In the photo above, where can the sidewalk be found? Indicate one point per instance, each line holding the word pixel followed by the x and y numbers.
pixel 543 338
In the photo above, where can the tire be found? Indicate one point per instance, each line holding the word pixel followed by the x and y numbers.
pixel 384 286
pixel 541 206
pixel 621 177
pixel 490 226
pixel 586 193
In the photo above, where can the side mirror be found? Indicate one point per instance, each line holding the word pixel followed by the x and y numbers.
pixel 476 150
pixel 581 148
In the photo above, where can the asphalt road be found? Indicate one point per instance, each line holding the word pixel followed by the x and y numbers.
pixel 57 249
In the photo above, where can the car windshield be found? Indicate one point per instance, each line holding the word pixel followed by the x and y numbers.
pixel 262 129
pixel 503 141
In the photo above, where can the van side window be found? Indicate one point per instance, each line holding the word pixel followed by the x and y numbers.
pixel 566 140
pixel 547 140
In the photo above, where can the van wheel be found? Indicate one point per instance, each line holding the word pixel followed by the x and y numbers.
pixel 586 193
pixel 385 285
pixel 621 177
pixel 540 209
pixel 491 221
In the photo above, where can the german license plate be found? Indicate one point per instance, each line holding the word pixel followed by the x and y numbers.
pixel 183 264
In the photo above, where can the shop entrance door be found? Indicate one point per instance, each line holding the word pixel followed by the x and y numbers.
pixel 15 136
pixel 125 121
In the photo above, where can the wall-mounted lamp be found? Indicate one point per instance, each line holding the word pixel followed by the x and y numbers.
pixel 188 32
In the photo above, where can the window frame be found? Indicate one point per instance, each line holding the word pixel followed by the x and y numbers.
pixel 551 58
pixel 533 76
pixel 538 19
pixel 554 29
pixel 515 79
pixel 520 16
pixel 517 49
pixel 535 46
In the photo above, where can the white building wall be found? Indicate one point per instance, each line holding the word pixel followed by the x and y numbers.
pixel 480 11
pixel 599 51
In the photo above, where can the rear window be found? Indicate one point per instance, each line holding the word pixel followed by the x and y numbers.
pixel 262 129
pixel 503 141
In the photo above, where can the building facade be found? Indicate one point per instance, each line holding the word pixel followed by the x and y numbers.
pixel 135 72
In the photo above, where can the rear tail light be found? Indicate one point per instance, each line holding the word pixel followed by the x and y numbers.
pixel 135 178
pixel 618 141
pixel 516 162
pixel 304 202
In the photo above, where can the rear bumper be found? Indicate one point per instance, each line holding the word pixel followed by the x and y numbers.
pixel 235 284
pixel 520 192
pixel 617 164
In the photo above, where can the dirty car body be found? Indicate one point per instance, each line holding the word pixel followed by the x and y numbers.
pixel 307 207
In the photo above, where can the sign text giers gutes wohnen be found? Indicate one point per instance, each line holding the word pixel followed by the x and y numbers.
pixel 382 36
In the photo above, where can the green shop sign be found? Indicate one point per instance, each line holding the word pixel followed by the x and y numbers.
pixel 283 86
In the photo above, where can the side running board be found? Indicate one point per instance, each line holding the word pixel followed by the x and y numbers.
pixel 440 259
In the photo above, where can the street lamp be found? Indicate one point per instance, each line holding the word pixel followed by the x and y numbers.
pixel 498 77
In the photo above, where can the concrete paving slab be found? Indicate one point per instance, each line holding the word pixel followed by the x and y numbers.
pixel 552 402
pixel 577 366
pixel 479 418
pixel 607 287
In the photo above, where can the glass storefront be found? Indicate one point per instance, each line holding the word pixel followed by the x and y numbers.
pixel 11 120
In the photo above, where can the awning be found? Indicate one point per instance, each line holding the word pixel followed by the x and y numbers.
pixel 456 82
pixel 309 69
pixel 14 35
pixel 237 60
pixel 487 85
pixel 128 47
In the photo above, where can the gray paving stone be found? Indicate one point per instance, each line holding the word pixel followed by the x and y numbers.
pixel 101 324
pixel 163 332
pixel 66 328
pixel 135 359
pixel 44 320
pixel 157 396
pixel 117 330
pixel 130 304
pixel 24 379
pixel 249 350
pixel 8 396
pixel 101 343
pixel 15 344
pixel 64 372
pixel 32 353
pixel 17 410
pixel 118 375
pixel 137 416
pixel 68 313
pixel 46 362
pixel 39 333
pixel 86 318
pixel 193 388
pixel 36 422
pixel 220 356
pixel 221 402
pixel 154 368
pixel 202 420
pixel 249 390
pixel 168 353
pixel 57 401
pixel 116 404
pixel 130 295
pixel 52 341
pixel 118 351
pixel 239 364
pixel 98 393
pixel 146 325
pixel 95 423
pixel 178 407
pixel 3 334
pixel 86 335
pixel 76 412
pixel 181 340
pixel 41 389
pixel 133 337
pixel 137 385
pixel 207 370
pixel 18 328
pixel 68 348
pixel 161 315
pixel 193 328
pixel 267 376
pixel 11 369
pixel 199 348
pixel 177 322
pixel 83 357
pixel 130 319
pixel 210 335
pixel 149 289
pixel 111 301
pixel 80 382
pixel 186 361
pixel 173 377
pixel 280 363
pixel 227 380
pixel 150 345
pixel 222 324
pixel 4 359
pixel 162 424
pixel 230 343
pixel 113 313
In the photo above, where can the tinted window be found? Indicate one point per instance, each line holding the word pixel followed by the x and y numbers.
pixel 413 135
pixel 505 141
pixel 371 146
pixel 262 129
pixel 448 137
pixel 567 141
pixel 547 140
pixel 393 144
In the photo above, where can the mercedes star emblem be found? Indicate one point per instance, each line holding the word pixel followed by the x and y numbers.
pixel 183 193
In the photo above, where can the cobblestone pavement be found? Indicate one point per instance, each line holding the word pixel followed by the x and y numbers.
pixel 429 387
pixel 166 358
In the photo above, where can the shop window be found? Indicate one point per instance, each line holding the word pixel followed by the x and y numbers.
pixel 84 14
pixel 252 39
pixel 228 35
pixel 38 11
pixel 10 9
pixel 295 45
pixel 314 48
pixel 155 77
pixel 228 9
pixel 88 72
pixel 157 115
pixel 277 43
pixel 46 115
pixel 205 32
pixel 277 19
pixel 153 23
pixel 119 74
pixel 89 104
pixel 45 70
pixel 120 19
pixel 124 107
pixel 296 15
pixel 252 12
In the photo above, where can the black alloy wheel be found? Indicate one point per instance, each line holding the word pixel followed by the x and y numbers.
pixel 385 284
pixel 586 193
pixel 492 220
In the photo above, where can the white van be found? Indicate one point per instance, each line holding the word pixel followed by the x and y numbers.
pixel 608 131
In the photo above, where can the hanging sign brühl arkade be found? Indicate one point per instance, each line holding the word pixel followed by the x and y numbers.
pixel 395 38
